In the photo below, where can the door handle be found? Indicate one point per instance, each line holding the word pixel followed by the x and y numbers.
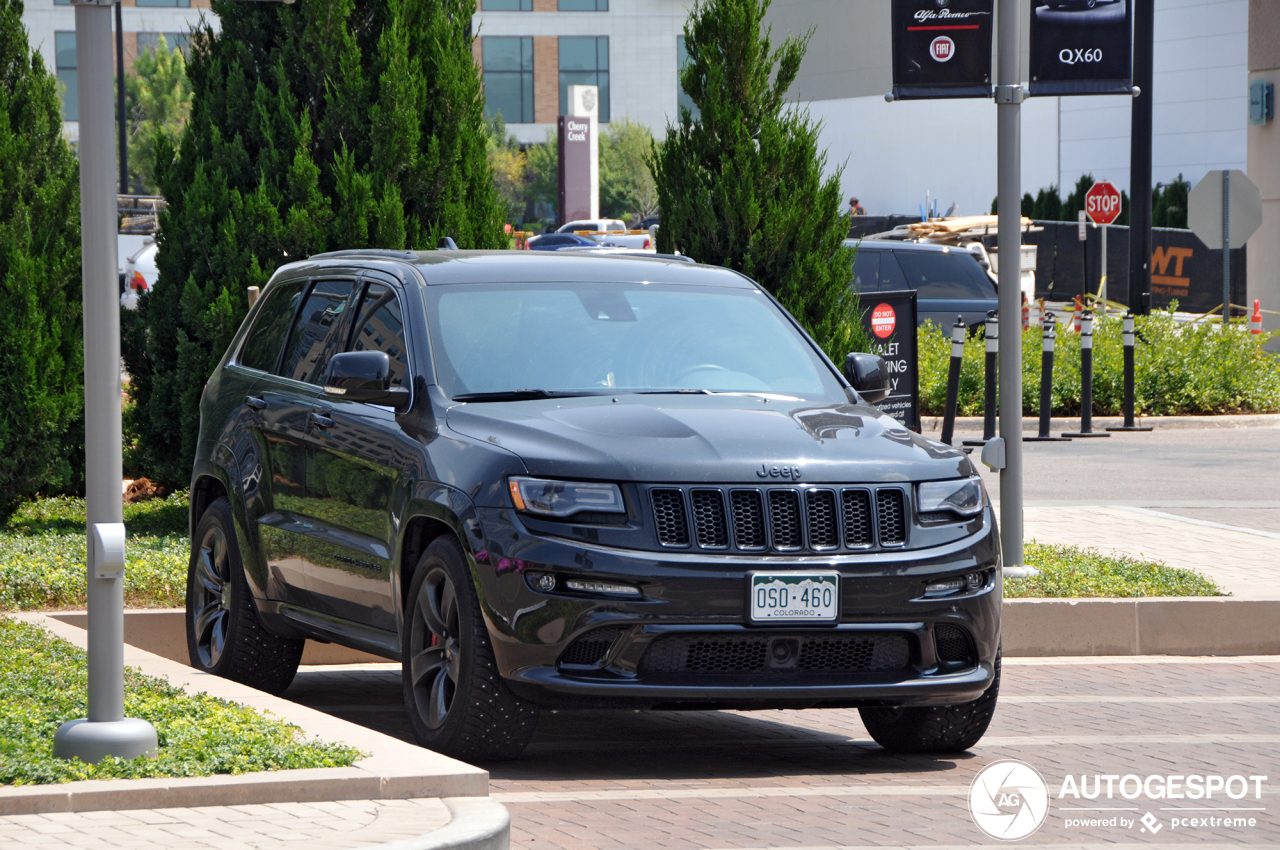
pixel 255 402
pixel 318 420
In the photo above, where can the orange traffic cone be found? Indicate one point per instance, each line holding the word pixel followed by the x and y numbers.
pixel 1255 322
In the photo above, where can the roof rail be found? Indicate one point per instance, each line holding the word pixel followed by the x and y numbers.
pixel 446 243
pixel 389 253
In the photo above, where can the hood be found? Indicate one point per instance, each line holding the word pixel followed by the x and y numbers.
pixel 707 438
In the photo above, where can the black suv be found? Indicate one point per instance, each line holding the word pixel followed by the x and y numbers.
pixel 949 282
pixel 545 480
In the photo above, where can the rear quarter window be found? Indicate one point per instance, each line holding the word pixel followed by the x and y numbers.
pixel 262 347
pixel 954 274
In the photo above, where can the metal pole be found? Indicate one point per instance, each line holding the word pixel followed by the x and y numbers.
pixel 1009 208
pixel 1102 288
pixel 106 731
pixel 1144 17
pixel 1226 246
pixel 122 126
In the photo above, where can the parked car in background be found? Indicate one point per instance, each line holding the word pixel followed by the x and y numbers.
pixel 560 242
pixel 140 275
pixel 582 481
pixel 948 281
pixel 609 230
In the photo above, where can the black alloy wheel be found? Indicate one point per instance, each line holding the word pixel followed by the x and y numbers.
pixel 435 652
pixel 211 592
pixel 457 701
pixel 224 635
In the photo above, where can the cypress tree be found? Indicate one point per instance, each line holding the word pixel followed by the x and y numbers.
pixel 41 340
pixel 321 125
pixel 741 185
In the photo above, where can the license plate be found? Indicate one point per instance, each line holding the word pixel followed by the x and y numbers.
pixel 794 597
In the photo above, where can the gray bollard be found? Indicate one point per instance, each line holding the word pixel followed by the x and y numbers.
pixel 953 380
pixel 1046 383
pixel 989 379
pixel 1086 380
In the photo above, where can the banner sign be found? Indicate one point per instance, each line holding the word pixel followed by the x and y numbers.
pixel 574 138
pixel 890 320
pixel 942 48
pixel 1080 50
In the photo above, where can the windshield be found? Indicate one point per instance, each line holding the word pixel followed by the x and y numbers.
pixel 605 337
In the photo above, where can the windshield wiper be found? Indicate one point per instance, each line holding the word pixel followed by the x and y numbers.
pixel 682 391
pixel 521 395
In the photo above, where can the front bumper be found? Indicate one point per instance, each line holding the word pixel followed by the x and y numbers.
pixel 699 600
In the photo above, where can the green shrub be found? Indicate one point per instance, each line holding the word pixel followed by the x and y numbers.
pixel 1179 370
pixel 42 554
pixel 1069 571
pixel 314 126
pixel 41 348
pixel 44 682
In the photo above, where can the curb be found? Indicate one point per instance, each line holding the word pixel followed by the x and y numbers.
pixel 478 824
pixel 1213 625
pixel 1162 423
pixel 392 769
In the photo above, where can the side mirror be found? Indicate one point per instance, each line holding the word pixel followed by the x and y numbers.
pixel 869 376
pixel 363 376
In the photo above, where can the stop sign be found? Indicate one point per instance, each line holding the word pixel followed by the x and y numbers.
pixel 1102 203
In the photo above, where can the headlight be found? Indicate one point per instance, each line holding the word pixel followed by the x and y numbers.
pixel 965 496
pixel 564 498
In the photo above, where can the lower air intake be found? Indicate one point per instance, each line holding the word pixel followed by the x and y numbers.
pixel 953 644
pixel 749 654
pixel 590 649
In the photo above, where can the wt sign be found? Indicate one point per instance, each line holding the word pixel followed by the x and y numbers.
pixel 1102 203
pixel 883 320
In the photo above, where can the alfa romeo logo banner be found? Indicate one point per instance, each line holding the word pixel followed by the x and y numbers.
pixel 1081 47
pixel 942 48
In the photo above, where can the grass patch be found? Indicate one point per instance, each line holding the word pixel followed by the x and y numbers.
pixel 43 683
pixel 1072 572
pixel 42 554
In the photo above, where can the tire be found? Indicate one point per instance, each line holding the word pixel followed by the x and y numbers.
pixel 933 729
pixel 458 704
pixel 224 635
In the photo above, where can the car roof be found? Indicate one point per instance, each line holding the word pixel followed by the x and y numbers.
pixel 888 244
pixel 449 267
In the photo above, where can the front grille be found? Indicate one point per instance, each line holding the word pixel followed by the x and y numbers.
pixel 588 650
pixel 953 644
pixel 669 518
pixel 748 519
pixel 739 654
pixel 780 518
pixel 708 519
pixel 784 515
pixel 893 528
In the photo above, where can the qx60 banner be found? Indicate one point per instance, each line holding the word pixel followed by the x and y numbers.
pixel 942 48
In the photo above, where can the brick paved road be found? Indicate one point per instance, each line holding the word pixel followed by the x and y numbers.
pixel 814 780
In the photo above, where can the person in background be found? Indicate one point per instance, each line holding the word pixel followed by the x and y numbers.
pixel 855 208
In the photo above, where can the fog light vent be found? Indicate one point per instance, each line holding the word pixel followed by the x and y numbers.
pixel 590 649
pixel 953 644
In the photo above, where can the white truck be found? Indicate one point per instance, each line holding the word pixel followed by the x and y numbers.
pixel 611 231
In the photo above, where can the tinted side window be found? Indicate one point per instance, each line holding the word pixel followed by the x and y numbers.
pixel 380 327
pixel 891 277
pixel 267 337
pixel 866 271
pixel 315 332
pixel 951 275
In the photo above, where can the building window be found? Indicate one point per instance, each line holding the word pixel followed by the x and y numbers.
pixel 508 78
pixel 506 5
pixel 64 47
pixel 172 40
pixel 585 62
pixel 583 5
pixel 182 4
pixel 62 2
pixel 682 97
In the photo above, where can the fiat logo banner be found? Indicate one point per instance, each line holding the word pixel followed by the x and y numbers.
pixel 942 48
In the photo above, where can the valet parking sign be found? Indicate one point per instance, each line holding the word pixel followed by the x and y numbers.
pixel 890 319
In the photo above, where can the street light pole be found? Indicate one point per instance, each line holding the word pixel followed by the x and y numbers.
pixel 1009 96
pixel 106 731
pixel 122 127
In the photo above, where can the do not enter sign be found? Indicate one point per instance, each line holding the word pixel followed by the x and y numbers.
pixel 1102 203
pixel 883 320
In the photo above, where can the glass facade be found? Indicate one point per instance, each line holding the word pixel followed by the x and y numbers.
pixel 180 4
pixel 584 61
pixel 508 78
pixel 583 5
pixel 506 5
pixel 64 46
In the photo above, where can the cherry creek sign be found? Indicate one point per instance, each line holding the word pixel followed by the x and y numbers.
pixel 942 48
pixel 890 319
pixel 575 167
pixel 1078 50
